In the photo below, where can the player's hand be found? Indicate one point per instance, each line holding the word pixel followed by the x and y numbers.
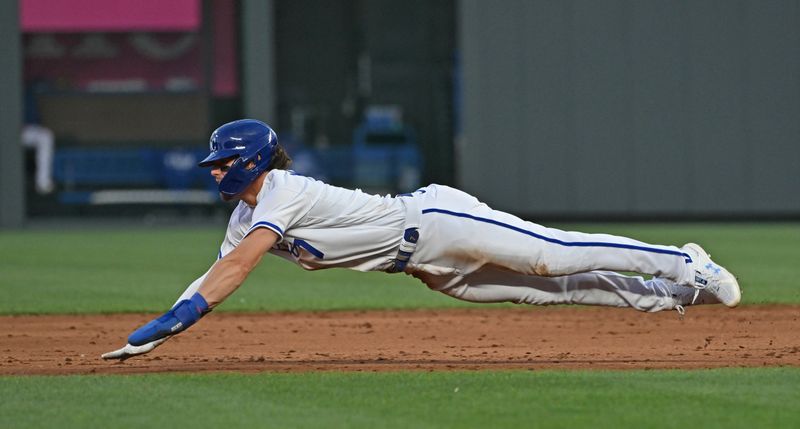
pixel 130 351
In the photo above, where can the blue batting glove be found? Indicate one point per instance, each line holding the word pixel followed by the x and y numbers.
pixel 183 315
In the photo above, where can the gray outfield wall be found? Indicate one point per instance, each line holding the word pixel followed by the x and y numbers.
pixel 631 107
pixel 12 184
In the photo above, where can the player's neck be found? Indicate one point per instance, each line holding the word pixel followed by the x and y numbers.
pixel 250 195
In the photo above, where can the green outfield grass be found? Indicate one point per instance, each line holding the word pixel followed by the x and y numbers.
pixel 108 270
pixel 111 270
pixel 724 398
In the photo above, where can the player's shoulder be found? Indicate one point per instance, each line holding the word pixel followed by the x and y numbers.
pixel 285 175
pixel 283 179
pixel 277 177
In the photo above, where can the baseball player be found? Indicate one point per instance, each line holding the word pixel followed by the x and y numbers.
pixel 446 238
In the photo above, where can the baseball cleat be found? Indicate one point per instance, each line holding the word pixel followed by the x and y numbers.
pixel 711 279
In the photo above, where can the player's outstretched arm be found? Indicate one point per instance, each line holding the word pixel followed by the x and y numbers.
pixel 230 272
pixel 223 279
pixel 130 351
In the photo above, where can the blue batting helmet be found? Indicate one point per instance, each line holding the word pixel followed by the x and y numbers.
pixel 251 143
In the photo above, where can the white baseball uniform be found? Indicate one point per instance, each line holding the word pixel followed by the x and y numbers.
pixel 466 249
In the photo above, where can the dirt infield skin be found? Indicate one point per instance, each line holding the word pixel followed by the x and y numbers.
pixel 440 340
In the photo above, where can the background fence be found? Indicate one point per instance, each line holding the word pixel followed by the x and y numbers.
pixel 622 107
pixel 562 109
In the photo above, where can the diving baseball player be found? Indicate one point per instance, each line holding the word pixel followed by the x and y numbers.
pixel 446 238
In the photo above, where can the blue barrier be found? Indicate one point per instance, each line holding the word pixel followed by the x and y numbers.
pixel 141 167
pixel 376 161
pixel 386 157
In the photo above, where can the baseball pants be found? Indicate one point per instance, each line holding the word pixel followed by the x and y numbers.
pixel 471 252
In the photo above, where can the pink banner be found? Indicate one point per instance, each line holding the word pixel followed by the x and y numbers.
pixel 109 15
pixel 226 50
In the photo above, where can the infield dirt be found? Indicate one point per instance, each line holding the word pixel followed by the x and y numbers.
pixel 440 340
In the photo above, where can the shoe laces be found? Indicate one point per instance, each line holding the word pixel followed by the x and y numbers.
pixel 696 294
pixel 713 272
pixel 681 309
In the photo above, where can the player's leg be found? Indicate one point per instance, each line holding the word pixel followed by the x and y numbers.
pixel 602 288
pixel 459 231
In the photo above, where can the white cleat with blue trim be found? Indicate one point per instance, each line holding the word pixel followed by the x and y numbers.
pixel 711 279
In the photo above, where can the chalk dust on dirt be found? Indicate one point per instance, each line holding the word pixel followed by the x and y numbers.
pixel 428 340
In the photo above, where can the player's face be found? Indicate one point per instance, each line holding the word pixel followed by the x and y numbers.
pixel 220 168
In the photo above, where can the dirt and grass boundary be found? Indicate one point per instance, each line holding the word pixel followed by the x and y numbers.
pixel 429 340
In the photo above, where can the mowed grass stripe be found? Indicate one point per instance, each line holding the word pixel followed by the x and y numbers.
pixel 110 271
pixel 724 398
pixel 143 270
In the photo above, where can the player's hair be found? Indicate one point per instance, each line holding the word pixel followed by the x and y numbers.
pixel 280 159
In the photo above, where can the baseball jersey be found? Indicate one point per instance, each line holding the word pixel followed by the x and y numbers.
pixel 320 225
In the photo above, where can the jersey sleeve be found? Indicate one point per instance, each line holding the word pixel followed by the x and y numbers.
pixel 233 235
pixel 283 204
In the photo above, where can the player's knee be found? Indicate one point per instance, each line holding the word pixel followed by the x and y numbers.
pixel 459 292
